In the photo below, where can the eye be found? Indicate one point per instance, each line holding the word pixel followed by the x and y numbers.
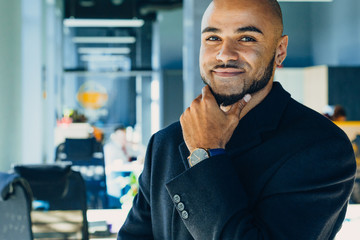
pixel 213 38
pixel 247 39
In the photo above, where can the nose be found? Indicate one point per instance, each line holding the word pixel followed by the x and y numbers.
pixel 227 52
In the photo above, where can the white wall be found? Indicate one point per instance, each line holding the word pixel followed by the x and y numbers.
pixel 26 97
pixel 32 76
pixel 316 87
pixel 308 86
pixel 10 83
pixel 292 80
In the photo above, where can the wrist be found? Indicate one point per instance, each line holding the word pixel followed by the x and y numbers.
pixel 200 154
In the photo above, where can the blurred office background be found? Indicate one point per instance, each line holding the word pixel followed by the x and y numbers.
pixel 81 79
pixel 75 67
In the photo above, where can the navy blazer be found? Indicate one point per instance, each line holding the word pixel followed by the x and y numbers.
pixel 287 175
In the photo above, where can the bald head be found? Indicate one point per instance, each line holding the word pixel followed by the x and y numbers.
pixel 272 7
pixel 276 10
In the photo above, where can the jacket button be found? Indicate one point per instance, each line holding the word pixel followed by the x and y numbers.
pixel 180 206
pixel 176 198
pixel 184 215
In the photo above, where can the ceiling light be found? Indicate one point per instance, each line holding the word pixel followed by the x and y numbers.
pixel 104 39
pixel 101 58
pixel 305 0
pixel 104 50
pixel 72 22
pixel 117 2
pixel 87 3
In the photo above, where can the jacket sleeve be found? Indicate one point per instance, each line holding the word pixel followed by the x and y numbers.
pixel 137 226
pixel 306 198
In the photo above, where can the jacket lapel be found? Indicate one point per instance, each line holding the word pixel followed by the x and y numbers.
pixel 263 118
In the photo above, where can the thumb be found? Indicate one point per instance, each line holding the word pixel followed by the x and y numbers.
pixel 206 93
pixel 239 106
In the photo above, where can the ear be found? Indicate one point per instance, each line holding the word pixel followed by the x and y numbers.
pixel 281 50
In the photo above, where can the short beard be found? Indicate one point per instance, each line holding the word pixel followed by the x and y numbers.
pixel 256 85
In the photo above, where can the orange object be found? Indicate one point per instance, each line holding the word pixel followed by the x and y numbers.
pixel 93 100
pixel 98 134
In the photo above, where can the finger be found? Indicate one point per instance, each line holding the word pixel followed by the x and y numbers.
pixel 195 102
pixel 239 106
pixel 206 93
pixel 182 119
pixel 199 96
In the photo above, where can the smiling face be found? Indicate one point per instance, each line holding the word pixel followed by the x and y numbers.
pixel 241 45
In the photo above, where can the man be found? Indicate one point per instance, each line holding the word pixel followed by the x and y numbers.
pixel 246 160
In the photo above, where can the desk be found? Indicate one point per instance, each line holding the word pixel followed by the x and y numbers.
pixel 103 223
pixel 115 218
pixel 118 166
pixel 350 229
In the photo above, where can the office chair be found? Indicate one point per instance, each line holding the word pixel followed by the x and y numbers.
pixel 62 189
pixel 15 207
pixel 87 157
pixel 355 195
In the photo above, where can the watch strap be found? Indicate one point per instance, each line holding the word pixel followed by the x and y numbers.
pixel 216 151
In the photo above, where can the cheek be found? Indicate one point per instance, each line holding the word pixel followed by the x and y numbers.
pixel 252 55
pixel 204 52
pixel 257 61
pixel 203 60
pixel 201 57
pixel 208 53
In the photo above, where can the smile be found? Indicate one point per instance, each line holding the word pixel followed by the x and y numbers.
pixel 227 72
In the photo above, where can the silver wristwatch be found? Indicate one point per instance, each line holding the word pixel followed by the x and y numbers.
pixel 200 154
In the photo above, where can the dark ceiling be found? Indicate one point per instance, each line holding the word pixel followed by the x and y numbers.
pixel 116 9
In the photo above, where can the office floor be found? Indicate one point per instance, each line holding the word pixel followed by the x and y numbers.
pixel 114 218
pixel 102 223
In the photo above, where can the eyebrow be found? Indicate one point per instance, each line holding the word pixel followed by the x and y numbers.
pixel 239 30
pixel 211 29
pixel 249 29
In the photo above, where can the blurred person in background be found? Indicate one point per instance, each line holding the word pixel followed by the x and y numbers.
pixel 339 113
pixel 117 152
pixel 334 113
pixel 117 148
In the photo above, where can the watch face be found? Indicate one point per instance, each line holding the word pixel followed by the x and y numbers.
pixel 198 155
